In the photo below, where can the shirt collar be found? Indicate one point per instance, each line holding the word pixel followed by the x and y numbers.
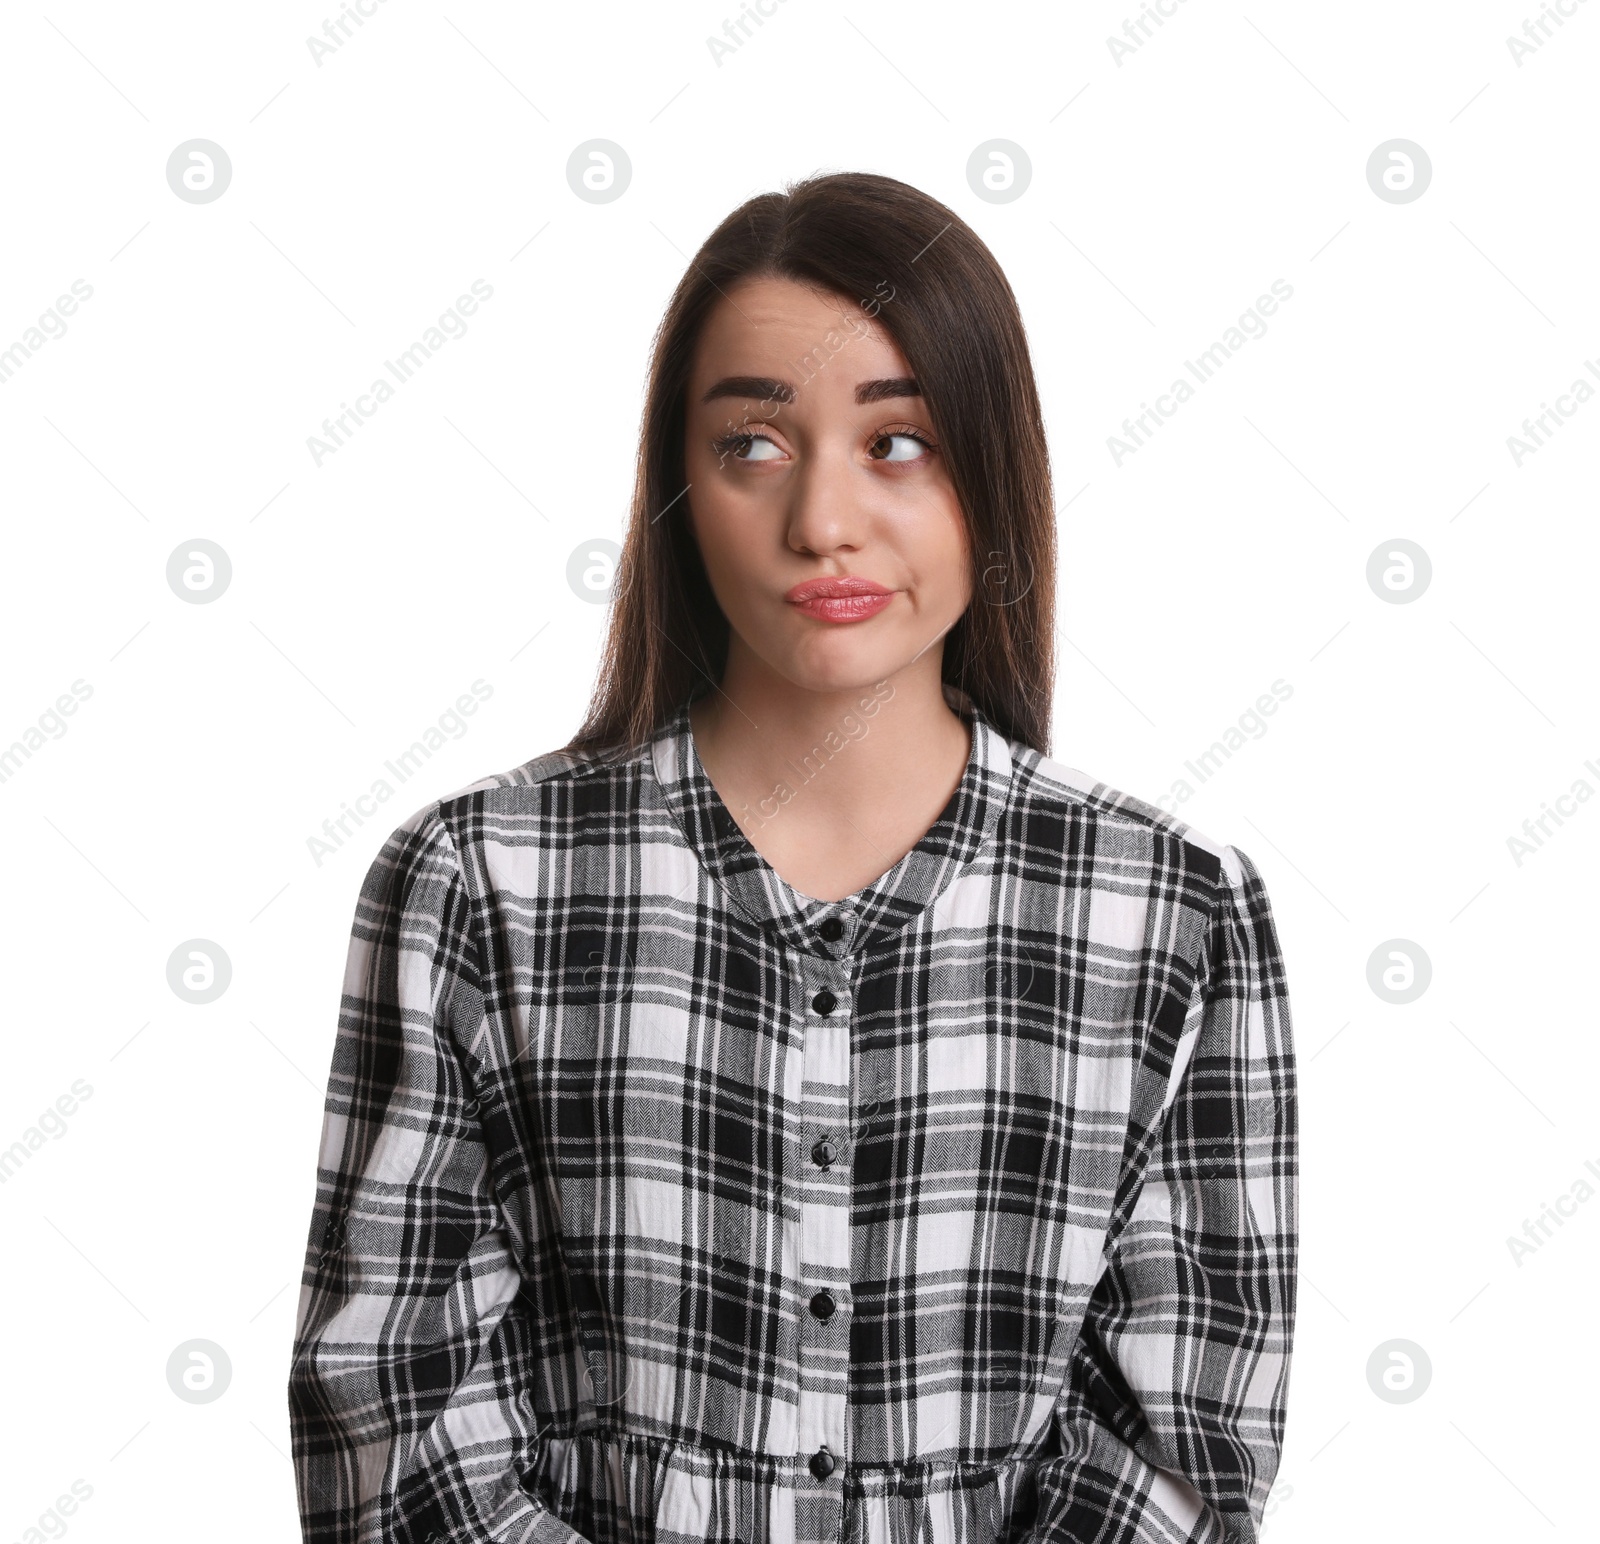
pixel 878 909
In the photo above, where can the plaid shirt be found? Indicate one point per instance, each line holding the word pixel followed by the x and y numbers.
pixel 660 1202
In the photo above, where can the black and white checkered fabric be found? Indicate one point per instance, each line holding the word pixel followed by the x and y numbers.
pixel 659 1202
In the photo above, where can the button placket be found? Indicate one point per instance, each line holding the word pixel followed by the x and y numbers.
pixel 822 1291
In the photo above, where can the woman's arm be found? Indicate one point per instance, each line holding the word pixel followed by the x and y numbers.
pixel 1172 1417
pixel 411 1352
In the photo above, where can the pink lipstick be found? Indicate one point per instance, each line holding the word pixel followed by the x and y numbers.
pixel 840 600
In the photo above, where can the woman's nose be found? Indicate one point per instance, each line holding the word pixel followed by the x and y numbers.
pixel 825 503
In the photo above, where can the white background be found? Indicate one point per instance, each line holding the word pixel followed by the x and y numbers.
pixel 368 593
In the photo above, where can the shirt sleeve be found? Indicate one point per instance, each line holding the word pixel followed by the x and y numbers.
pixel 1172 1415
pixel 409 1386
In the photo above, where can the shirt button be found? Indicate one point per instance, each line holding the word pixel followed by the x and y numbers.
pixel 824 1001
pixel 821 1463
pixel 832 929
pixel 823 1153
pixel 822 1306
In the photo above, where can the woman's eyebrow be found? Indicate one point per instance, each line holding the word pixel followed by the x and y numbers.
pixel 882 391
pixel 765 388
pixel 761 387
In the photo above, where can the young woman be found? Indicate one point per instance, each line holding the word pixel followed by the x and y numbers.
pixel 800 1109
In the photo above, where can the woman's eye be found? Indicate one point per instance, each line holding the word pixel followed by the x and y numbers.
pixel 898 447
pixel 747 447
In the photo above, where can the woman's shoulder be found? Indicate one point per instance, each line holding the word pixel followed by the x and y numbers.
pixel 522 792
pixel 1141 823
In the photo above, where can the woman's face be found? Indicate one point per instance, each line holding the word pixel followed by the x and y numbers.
pixel 811 456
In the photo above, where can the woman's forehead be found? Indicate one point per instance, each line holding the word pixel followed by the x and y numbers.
pixel 787 331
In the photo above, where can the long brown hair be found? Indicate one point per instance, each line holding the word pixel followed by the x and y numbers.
pixel 925 275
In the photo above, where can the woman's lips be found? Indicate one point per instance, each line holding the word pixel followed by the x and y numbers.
pixel 840 600
pixel 844 608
